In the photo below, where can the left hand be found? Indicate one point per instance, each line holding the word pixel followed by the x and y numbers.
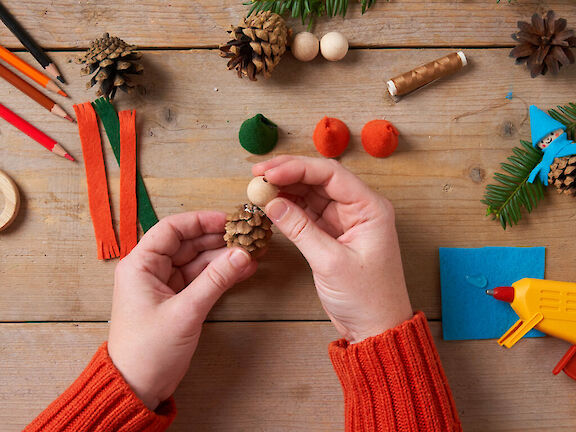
pixel 163 292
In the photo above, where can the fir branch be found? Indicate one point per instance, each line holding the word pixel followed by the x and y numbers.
pixel 567 116
pixel 306 9
pixel 506 199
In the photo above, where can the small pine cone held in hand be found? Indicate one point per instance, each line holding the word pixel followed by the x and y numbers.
pixel 248 228
pixel 545 44
pixel 562 175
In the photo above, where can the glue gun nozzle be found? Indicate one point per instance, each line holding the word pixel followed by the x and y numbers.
pixel 490 292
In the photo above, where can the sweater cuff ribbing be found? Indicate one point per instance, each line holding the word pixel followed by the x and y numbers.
pixel 101 400
pixel 395 381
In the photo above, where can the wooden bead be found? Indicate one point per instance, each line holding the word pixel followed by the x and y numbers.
pixel 260 192
pixel 333 46
pixel 305 46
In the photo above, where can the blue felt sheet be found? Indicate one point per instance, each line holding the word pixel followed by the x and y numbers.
pixel 465 274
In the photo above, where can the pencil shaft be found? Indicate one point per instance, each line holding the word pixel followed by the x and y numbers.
pixel 32 92
pixel 34 133
pixel 26 88
pixel 23 37
pixel 37 76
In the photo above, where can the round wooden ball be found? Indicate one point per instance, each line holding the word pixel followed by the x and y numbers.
pixel 333 46
pixel 305 46
pixel 260 192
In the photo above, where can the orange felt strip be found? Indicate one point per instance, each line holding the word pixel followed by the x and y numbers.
pixel 98 197
pixel 128 202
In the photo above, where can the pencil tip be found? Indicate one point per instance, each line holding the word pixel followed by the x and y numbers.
pixel 59 78
pixel 70 118
pixel 67 156
pixel 62 93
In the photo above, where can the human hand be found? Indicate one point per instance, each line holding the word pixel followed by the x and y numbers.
pixel 163 291
pixel 347 234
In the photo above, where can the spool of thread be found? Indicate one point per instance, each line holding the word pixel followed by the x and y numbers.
pixel 425 74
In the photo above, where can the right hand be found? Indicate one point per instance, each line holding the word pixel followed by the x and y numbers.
pixel 347 234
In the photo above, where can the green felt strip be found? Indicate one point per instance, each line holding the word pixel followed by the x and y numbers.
pixel 109 118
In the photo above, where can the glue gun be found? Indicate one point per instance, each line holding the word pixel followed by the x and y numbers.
pixel 548 306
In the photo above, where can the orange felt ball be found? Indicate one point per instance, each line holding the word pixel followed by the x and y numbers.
pixel 379 138
pixel 331 137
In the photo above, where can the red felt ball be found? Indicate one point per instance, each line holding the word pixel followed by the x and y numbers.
pixel 379 138
pixel 331 137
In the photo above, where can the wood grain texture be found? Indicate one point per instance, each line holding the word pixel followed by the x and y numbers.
pixel 191 160
pixel 277 377
pixel 202 23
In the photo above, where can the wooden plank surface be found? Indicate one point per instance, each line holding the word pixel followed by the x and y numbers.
pixel 202 23
pixel 191 160
pixel 277 377
pixel 453 136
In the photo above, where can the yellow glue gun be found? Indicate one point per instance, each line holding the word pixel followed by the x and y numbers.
pixel 548 306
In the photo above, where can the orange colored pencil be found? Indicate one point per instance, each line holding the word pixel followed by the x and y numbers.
pixel 33 93
pixel 16 62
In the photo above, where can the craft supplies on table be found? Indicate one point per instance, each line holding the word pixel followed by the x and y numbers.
pixel 17 63
pixel 128 206
pixel 109 118
pixel 466 273
pixel 9 191
pixel 24 38
pixel 34 133
pixel 121 131
pixel 33 93
pixel 422 75
pixel 98 196
pixel 548 306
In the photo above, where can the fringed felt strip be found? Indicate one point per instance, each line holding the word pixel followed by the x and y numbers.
pixel 98 196
pixel 128 204
pixel 109 118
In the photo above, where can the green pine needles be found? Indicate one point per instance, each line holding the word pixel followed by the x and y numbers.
pixel 506 199
pixel 567 116
pixel 306 9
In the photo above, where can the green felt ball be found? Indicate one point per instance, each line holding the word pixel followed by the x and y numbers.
pixel 258 135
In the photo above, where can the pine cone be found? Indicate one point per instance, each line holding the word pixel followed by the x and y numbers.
pixel 112 59
pixel 563 174
pixel 545 44
pixel 248 228
pixel 258 43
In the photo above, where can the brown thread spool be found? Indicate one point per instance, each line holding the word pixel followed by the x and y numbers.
pixel 425 74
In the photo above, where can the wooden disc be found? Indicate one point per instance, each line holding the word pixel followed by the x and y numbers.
pixel 11 200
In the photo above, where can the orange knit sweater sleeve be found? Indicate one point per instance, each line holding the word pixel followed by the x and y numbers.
pixel 101 401
pixel 395 382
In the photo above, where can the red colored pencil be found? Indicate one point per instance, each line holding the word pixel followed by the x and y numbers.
pixel 33 133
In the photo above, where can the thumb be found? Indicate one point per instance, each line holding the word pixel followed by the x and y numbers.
pixel 220 275
pixel 297 226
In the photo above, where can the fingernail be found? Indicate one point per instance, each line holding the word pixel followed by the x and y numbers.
pixel 240 258
pixel 276 209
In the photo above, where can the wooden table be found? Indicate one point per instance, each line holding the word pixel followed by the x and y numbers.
pixel 262 363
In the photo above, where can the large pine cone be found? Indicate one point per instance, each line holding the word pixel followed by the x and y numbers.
pixel 248 228
pixel 545 44
pixel 563 175
pixel 111 60
pixel 258 43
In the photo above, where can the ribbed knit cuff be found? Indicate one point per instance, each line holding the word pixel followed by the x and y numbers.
pixel 100 400
pixel 395 381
